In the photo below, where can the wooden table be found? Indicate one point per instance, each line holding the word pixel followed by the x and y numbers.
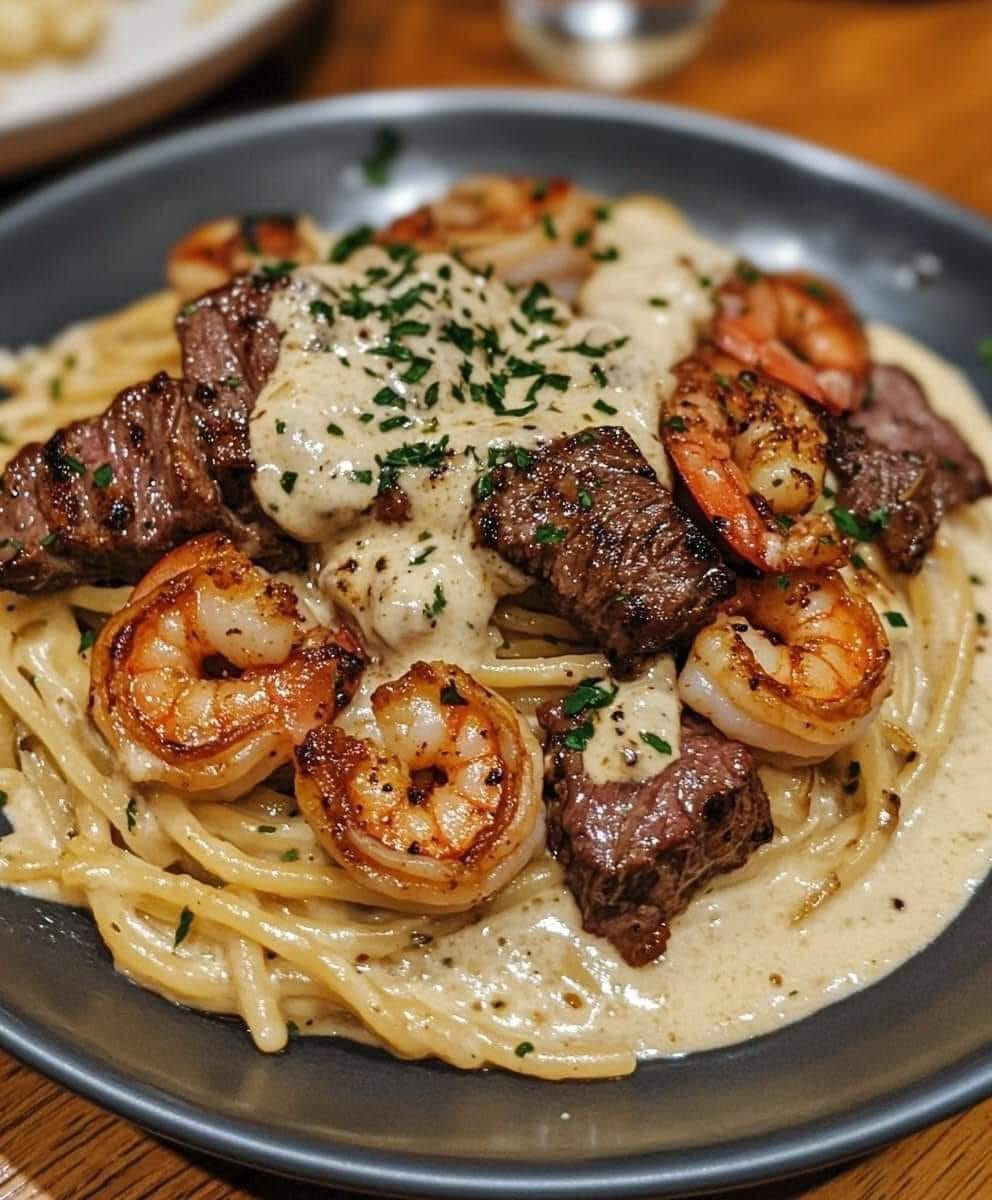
pixel 905 85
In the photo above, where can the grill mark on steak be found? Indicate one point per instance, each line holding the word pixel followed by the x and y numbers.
pixel 589 518
pixel 106 497
pixel 897 454
pixel 636 853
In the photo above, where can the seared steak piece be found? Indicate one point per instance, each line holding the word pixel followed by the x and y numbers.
pixel 588 517
pixel 898 416
pixel 105 498
pixel 230 348
pixel 902 485
pixel 898 457
pixel 635 853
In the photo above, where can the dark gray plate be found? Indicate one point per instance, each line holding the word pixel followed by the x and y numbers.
pixel 906 1052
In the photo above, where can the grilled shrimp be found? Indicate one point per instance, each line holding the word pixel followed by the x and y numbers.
pixel 793 665
pixel 753 455
pixel 446 810
pixel 798 329
pixel 209 255
pixel 525 230
pixel 209 676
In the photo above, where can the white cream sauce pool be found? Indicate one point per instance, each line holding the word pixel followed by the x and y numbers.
pixel 736 965
pixel 427 369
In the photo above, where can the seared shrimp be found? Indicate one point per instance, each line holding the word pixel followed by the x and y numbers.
pixel 525 230
pixel 753 455
pixel 446 811
pixel 209 676
pixel 211 254
pixel 794 665
pixel 798 329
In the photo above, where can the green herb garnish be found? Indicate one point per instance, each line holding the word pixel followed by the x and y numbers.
pixel 656 743
pixel 183 928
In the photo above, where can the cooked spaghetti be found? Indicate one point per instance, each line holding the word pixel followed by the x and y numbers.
pixel 236 907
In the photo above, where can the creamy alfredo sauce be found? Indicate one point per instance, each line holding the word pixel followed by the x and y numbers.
pixel 425 372
pixel 737 965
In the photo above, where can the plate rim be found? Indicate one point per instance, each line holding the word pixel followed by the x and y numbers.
pixel 219 37
pixel 788 1151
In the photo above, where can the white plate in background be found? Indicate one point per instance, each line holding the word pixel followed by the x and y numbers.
pixel 157 55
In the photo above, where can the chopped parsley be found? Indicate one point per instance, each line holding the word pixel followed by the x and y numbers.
pixel 398 422
pixel 290 856
pixel 523 1049
pixel 280 427
pixel 86 640
pixel 335 430
pixel 782 582
pixel 591 351
pixel 603 407
pixel 377 162
pixel 530 306
pixel 431 395
pixel 676 424
pixel 585 500
pixel 417 369
pixel 279 270
pixel 103 476
pixel 896 620
pixel 265 829
pixel 360 476
pixel 422 557
pixel 582 237
pixel 437 606
pixel 656 743
pixel 658 301
pixel 74 465
pixel 588 695
pixel 609 254
pixel 287 481
pixel 816 289
pixel 578 738
pixel 346 246
pixel 747 272
pixel 408 328
pixel 320 310
pixel 417 454
pixel 131 812
pixel 598 374
pixel 858 562
pixel 852 525
pixel 460 335
pixel 548 224
pixel 232 381
pixel 550 535
pixel 183 928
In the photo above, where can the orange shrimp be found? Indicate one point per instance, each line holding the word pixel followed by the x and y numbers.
pixel 446 810
pixel 799 330
pixel 209 255
pixel 209 676
pixel 525 230
pixel 753 455
pixel 797 665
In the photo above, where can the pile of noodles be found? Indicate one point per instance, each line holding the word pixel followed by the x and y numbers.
pixel 234 908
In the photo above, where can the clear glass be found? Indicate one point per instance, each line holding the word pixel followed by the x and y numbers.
pixel 610 44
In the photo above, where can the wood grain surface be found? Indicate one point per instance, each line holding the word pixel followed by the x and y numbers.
pixel 907 86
